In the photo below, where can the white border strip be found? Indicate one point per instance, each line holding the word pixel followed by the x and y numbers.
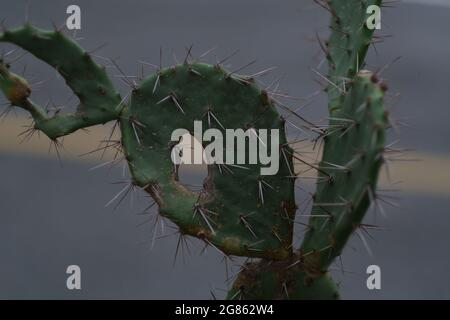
pixel 435 3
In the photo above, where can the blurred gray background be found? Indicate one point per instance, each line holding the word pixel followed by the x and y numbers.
pixel 52 216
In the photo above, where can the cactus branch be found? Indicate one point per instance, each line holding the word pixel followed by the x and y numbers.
pixel 99 101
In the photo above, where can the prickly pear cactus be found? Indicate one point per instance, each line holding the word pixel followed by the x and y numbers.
pixel 239 211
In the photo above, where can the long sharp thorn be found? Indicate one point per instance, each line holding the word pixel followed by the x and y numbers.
pixel 135 133
pixel 261 73
pixel 261 193
pixel 226 58
pixel 207 52
pixel 363 239
pixel 241 68
pixel 164 99
pixel 174 99
pixel 117 195
pixel 217 120
pixel 156 84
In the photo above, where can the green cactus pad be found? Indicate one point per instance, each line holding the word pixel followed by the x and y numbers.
pixel 99 101
pixel 239 210
pixel 350 164
pixel 347 45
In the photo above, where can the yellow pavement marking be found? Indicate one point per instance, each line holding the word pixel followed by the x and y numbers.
pixel 427 174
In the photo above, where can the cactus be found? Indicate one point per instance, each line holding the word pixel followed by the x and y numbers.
pixel 346 184
pixel 239 211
